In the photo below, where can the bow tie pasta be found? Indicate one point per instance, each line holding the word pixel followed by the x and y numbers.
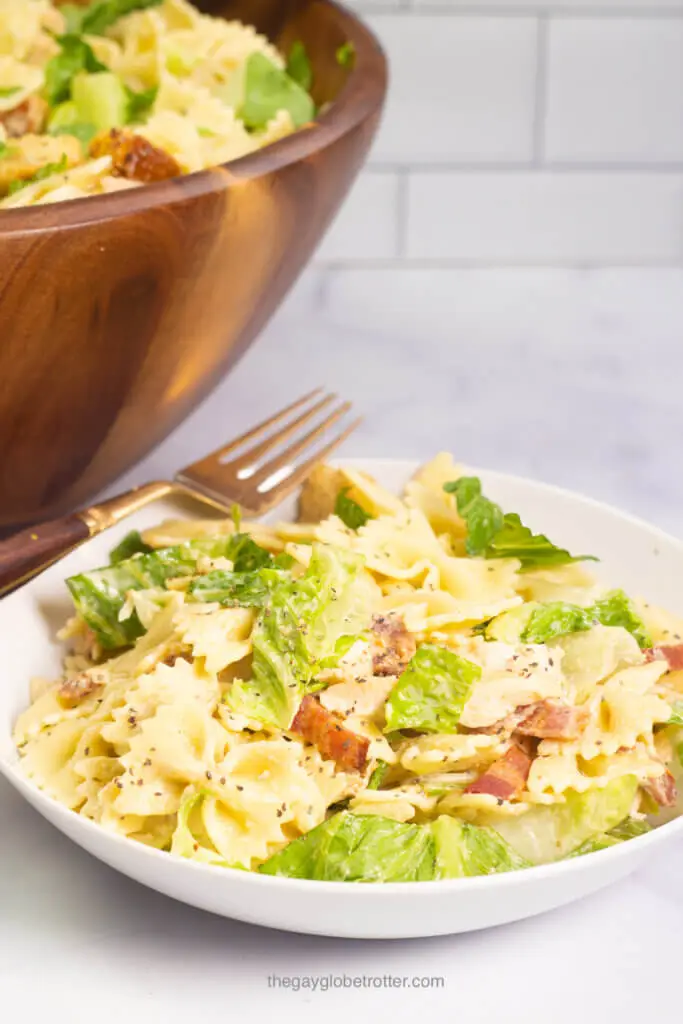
pixel 391 689
pixel 117 93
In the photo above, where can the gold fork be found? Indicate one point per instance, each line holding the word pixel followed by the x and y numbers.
pixel 256 479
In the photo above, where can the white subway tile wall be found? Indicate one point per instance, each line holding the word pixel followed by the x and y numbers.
pixel 522 132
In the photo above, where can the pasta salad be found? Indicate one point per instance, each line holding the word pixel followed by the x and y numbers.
pixel 111 94
pixel 390 689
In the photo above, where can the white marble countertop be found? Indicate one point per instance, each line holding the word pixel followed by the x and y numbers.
pixel 569 376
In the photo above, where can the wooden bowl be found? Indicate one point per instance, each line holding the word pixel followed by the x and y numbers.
pixel 118 314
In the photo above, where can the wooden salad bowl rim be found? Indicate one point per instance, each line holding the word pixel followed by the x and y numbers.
pixel 362 95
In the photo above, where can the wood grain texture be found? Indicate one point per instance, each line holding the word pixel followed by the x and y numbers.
pixel 119 314
pixel 37 546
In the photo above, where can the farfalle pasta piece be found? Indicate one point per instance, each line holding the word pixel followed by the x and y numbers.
pixel 221 636
pixel 399 804
pixel 445 752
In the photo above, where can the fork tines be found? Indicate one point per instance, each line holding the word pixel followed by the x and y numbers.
pixel 259 475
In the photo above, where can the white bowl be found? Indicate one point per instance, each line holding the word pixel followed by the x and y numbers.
pixel 634 555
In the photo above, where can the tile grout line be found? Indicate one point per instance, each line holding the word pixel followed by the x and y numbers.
pixel 541 91
pixel 439 264
pixel 406 9
pixel 527 167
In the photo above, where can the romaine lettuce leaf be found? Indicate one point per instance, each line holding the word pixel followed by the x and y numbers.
pixel 550 832
pixel 555 619
pixel 187 838
pixel 346 55
pixel 307 624
pixel 357 848
pixel 132 544
pixel 493 534
pixel 676 713
pixel 100 595
pixel 267 90
pixel 99 15
pixel 74 57
pixel 617 609
pixel 432 692
pixel 558 618
pixel 378 774
pixel 483 518
pixel 368 848
pixel 349 511
pixel 629 829
pixel 140 104
pixel 299 65
pixel 463 850
pixel 230 589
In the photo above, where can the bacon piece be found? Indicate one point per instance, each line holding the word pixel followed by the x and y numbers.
pixel 548 720
pixel 26 119
pixel 325 730
pixel 506 777
pixel 672 654
pixel 394 645
pixel 662 789
pixel 134 157
pixel 76 688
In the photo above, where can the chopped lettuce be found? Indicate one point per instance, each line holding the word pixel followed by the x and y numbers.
pixel 246 555
pixel 349 511
pixel 357 848
pixel 536 623
pixel 187 837
pixel 74 57
pixel 346 55
pixel 231 589
pixel 617 609
pixel 140 104
pixel 378 774
pixel 432 692
pixel 84 131
pixel 676 713
pixel 555 619
pixel 132 544
pixel 368 848
pixel 628 829
pixel 483 518
pixel 100 98
pixel 493 534
pixel 463 850
pixel 267 90
pixel 551 832
pixel 99 15
pixel 299 65
pixel 100 595
pixel 307 624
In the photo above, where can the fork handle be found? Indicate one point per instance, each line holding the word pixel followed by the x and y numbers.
pixel 26 553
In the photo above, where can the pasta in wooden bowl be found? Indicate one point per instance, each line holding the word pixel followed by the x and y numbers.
pixel 126 304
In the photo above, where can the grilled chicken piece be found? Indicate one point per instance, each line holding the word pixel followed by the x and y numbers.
pixel 506 777
pixel 393 645
pixel 75 689
pixel 27 119
pixel 326 731
pixel 134 157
